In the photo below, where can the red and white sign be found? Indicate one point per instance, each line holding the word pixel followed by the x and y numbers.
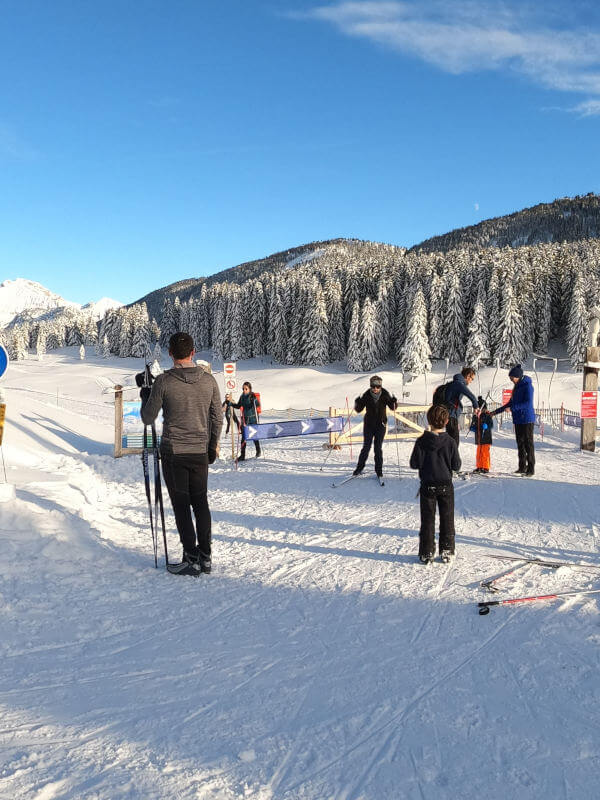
pixel 229 369
pixel 589 405
pixel 230 384
pixel 506 395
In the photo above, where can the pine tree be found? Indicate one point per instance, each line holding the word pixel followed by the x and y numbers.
pixel 510 347
pixel 369 335
pixel 436 315
pixel 140 325
pixel 478 340
pixel 82 352
pixel 454 321
pixel 333 302
pixel 577 324
pixel 416 353
pixel 354 361
pixel 105 352
pixel 316 340
pixel 40 345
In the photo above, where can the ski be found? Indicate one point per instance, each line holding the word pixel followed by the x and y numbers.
pixel 484 607
pixel 542 562
pixel 380 479
pixel 343 481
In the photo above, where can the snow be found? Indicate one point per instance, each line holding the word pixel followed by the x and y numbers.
pixel 305 258
pixel 319 659
pixel 22 296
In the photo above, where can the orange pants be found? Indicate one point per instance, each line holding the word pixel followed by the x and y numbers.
pixel 483 456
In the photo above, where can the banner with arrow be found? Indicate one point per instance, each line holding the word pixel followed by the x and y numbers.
pixel 299 427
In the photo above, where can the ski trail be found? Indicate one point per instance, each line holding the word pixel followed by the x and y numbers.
pixel 396 718
pixel 435 597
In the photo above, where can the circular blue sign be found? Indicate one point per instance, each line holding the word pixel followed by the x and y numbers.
pixel 3 360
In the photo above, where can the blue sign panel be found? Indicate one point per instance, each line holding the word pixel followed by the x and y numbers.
pixel 300 427
pixel 3 360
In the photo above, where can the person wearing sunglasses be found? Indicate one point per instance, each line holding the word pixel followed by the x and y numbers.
pixel 374 401
pixel 249 407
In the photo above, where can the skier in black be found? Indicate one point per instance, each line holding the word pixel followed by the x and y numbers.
pixel 454 391
pixel 435 455
pixel 192 419
pixel 374 400
pixel 230 414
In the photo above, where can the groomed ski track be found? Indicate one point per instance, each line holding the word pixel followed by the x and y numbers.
pixel 320 659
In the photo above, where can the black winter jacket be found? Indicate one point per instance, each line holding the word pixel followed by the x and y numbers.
pixel 435 455
pixel 375 412
pixel 482 427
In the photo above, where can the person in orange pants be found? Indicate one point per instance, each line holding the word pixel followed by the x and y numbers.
pixel 482 426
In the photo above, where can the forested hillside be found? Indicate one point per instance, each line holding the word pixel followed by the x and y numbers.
pixel 569 219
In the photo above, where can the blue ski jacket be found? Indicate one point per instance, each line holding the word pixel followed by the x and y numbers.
pixel 521 402
pixel 454 392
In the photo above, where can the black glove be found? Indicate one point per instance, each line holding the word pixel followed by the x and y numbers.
pixel 394 403
pixel 212 455
pixel 145 394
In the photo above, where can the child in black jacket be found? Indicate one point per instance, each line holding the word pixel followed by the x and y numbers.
pixel 482 425
pixel 435 455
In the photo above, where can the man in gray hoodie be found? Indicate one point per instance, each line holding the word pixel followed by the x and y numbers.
pixel 192 419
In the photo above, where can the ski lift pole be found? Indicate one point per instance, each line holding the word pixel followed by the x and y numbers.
pixel 445 371
pixel 490 394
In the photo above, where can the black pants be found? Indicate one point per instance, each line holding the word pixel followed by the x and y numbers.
pixel 524 434
pixel 443 497
pixel 186 477
pixel 372 434
pixel 452 429
pixel 243 447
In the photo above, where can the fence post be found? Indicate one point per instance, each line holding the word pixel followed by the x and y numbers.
pixel 562 417
pixel 590 384
pixel 118 421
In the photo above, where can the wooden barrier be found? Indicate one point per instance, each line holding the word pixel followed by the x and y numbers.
pixel 356 424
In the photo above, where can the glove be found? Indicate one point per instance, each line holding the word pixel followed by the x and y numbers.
pixel 145 394
pixel 394 403
pixel 212 455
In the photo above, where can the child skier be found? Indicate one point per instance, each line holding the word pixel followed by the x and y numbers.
pixel 435 455
pixel 482 425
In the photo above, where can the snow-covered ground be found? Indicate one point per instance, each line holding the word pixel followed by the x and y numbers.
pixel 319 660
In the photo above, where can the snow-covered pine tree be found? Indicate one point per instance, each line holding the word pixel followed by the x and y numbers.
pixel 435 315
pixel 82 352
pixel 126 332
pixel 369 335
pixel 416 353
pixel 333 304
pixel 354 359
pixel 105 351
pixel 140 339
pixel 203 319
pixel 18 344
pixel 454 321
pixel 543 314
pixel 315 351
pixel 511 349
pixel 577 324
pixel 278 330
pixel 169 321
pixel 478 340
pixel 40 345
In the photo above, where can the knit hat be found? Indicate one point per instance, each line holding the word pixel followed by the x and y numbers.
pixel 516 372
pixel 376 381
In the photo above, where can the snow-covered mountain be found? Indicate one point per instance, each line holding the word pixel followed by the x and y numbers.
pixel 23 300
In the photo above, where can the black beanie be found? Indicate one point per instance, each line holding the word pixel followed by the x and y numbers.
pixel 516 372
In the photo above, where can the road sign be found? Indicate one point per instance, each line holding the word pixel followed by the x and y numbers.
pixel 230 384
pixel 229 369
pixel 589 405
pixel 506 395
pixel 3 360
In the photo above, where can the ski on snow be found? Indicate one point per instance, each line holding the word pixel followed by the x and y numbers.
pixel 348 478
pixel 542 562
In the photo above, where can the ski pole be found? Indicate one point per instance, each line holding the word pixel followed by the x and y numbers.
pixel 332 447
pixel 146 468
pixel 158 497
pixel 540 561
pixel 397 431
pixel 349 427
pixel 484 608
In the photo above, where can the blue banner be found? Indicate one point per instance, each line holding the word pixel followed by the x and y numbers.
pixel 300 427
pixel 3 360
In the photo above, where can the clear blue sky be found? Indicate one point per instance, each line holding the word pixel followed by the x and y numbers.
pixel 142 142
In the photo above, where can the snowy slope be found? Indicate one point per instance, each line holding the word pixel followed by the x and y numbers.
pixel 319 660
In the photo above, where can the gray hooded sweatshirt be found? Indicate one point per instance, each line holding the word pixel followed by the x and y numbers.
pixel 191 404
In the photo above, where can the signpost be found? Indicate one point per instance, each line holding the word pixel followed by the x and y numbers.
pixel 589 398
pixel 229 377
pixel 589 405
pixel 506 395
pixel 4 359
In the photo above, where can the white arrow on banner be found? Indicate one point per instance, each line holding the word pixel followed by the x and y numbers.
pixel 329 423
pixel 305 426
pixel 251 431
pixel 278 430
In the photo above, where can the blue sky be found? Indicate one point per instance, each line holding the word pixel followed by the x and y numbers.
pixel 144 142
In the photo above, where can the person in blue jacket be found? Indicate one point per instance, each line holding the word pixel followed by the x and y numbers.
pixel 454 391
pixel 523 417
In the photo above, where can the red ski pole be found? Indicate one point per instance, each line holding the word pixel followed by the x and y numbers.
pixel 484 608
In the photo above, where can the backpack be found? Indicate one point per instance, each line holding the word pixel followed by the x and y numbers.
pixel 257 402
pixel 439 396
